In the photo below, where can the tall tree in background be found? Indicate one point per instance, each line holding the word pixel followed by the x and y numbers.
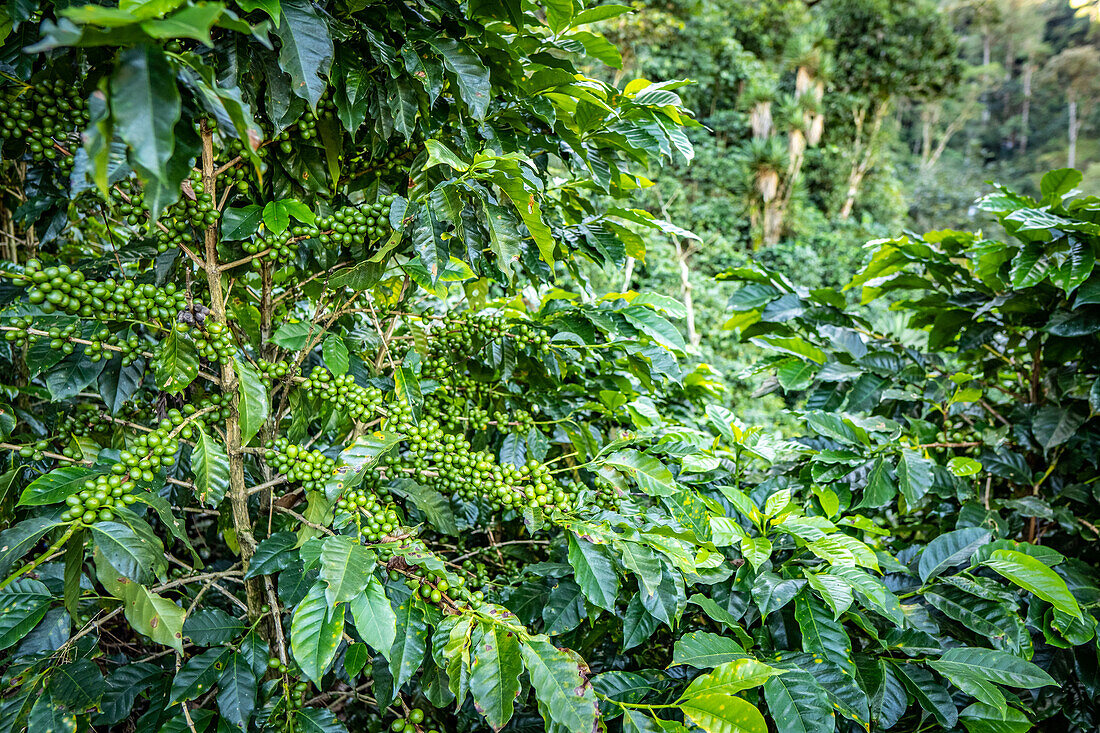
pixel 1077 71
pixel 885 51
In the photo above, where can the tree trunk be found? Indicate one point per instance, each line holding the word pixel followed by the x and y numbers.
pixel 1025 113
pixel 628 274
pixel 1072 153
pixel 929 114
pixel 238 491
pixel 863 159
pixel 986 58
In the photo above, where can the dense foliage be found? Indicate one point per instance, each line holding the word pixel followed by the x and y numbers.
pixel 314 421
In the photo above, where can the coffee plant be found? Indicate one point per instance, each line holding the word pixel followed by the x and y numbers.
pixel 313 421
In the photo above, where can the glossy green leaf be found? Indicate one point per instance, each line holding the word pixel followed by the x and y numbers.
pixel 315 633
pixel 494 675
pixel 1034 577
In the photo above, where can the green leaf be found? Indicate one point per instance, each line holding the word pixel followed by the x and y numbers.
pixel 237 692
pixel 50 714
pixel 240 223
pixel 346 568
pixel 655 326
pixel 650 474
pixel 145 106
pixel 949 550
pixel 317 720
pixel 276 217
pixel 306 51
pixel 212 626
pixel 872 592
pixel 56 486
pixel 468 72
pixel 273 554
pixel 797 703
pixel 271 7
pixel 294 335
pixel 822 634
pixel 1058 182
pixel 1054 425
pixel 210 464
pixel 176 363
pixel 724 714
pixel 914 476
pixel 194 22
pixel 407 388
pixel 1035 577
pixel 594 572
pixel 72 375
pixel 23 603
pixel 435 506
pixel 315 633
pixel 962 467
pixel 929 694
pixel 1029 267
pixel 410 641
pixel 355 658
pixel 564 694
pixel 135 555
pixel 253 404
pixel 335 354
pixel 833 590
pixel 151 614
pixel 730 678
pixel 702 650
pixel 494 675
pixel 982 718
pixel 374 618
pixel 199 674
pixel 118 383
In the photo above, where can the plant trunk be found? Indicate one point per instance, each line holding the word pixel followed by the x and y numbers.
pixel 1071 155
pixel 238 492
pixel 864 158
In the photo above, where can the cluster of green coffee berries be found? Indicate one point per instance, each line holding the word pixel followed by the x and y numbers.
pixel 128 201
pixel 84 421
pixel 35 452
pixel 127 344
pixel 41 114
pixel 59 288
pixel 456 409
pixel 19 333
pixel 278 247
pixel 344 394
pixel 446 462
pixel 149 453
pixel 374 519
pixel 311 467
pixel 433 586
pixel 213 342
pixel 518 421
pixel 465 333
pixel 294 692
pixel 97 498
pixel 410 723
pixel 270 371
pixel 355 224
